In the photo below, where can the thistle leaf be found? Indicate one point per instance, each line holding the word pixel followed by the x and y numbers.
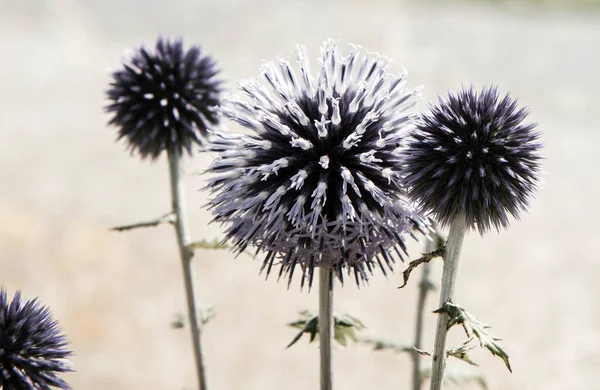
pixel 426 258
pixel 344 327
pixel 459 352
pixel 474 327
pixel 307 323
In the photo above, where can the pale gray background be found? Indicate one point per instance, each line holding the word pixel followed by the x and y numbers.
pixel 64 181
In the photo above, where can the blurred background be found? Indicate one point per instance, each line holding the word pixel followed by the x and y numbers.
pixel 65 182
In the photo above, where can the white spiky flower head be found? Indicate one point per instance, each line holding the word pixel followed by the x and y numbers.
pixel 316 183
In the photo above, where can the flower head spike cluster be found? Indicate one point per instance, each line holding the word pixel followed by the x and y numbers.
pixel 166 99
pixel 32 349
pixel 473 156
pixel 316 183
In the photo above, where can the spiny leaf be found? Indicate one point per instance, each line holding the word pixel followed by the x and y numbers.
pixel 472 326
pixel 459 352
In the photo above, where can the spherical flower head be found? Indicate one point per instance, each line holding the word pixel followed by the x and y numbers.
pixel 32 349
pixel 164 100
pixel 316 182
pixel 473 156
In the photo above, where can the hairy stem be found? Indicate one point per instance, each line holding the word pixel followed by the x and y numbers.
pixel 453 246
pixel 325 325
pixel 424 287
pixel 184 240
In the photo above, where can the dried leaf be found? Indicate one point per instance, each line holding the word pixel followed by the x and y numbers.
pixel 166 218
pixel 423 259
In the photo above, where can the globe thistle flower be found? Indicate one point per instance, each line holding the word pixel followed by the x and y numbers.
pixel 32 349
pixel 473 155
pixel 316 183
pixel 166 99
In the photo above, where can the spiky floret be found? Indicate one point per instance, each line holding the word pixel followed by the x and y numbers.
pixel 473 156
pixel 316 184
pixel 166 99
pixel 32 349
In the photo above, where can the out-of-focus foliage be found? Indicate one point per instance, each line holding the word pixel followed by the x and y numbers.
pixel 344 327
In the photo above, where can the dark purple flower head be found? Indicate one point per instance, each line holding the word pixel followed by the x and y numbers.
pixel 32 349
pixel 164 99
pixel 473 156
pixel 316 183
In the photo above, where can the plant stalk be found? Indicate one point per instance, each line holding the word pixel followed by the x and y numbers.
pixel 325 325
pixel 458 228
pixel 424 287
pixel 184 240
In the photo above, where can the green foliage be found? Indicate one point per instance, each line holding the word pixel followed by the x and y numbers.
pixel 205 315
pixel 344 327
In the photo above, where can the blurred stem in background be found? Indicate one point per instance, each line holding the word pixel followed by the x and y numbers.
pixel 425 286
pixel 458 227
pixel 325 325
pixel 186 252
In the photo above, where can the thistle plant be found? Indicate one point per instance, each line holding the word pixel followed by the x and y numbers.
pixel 316 182
pixel 166 100
pixel 32 349
pixel 472 162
